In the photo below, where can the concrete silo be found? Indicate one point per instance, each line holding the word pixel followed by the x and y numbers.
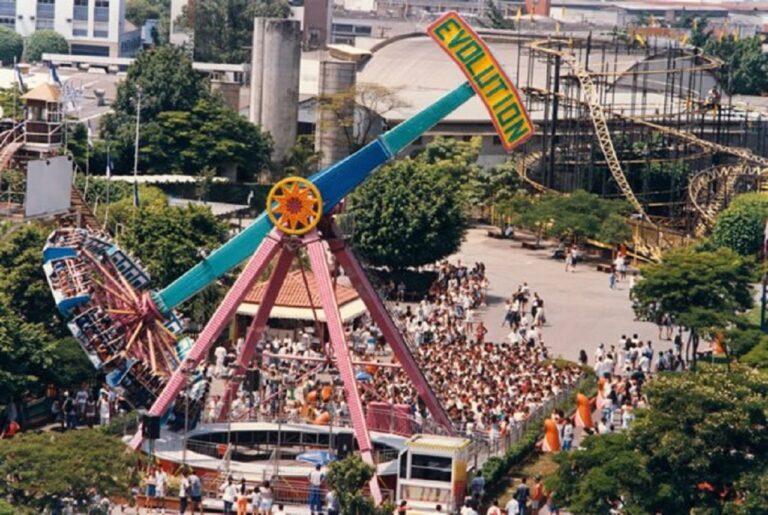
pixel 275 80
pixel 330 139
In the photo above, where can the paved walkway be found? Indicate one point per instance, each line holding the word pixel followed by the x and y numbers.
pixel 581 309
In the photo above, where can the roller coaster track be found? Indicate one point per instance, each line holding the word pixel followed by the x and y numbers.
pixel 706 205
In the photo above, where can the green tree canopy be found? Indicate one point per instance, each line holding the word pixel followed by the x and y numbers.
pixel 224 28
pixel 745 68
pixel 700 429
pixel 11 46
pixel 167 82
pixel 348 478
pixel 702 290
pixel 407 214
pixel 37 467
pixel 45 41
pixel 25 353
pixel 741 226
pixel 22 279
pixel 139 11
pixel 302 159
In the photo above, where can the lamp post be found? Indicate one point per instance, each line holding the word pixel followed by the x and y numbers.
pixel 136 148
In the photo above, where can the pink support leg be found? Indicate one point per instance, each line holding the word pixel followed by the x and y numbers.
pixel 258 324
pixel 215 326
pixel 319 264
pixel 354 270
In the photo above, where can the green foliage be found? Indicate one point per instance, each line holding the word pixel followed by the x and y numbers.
pixel 302 159
pixel 740 227
pixel 348 477
pixel 224 28
pixel 11 46
pixel 745 69
pixel 25 352
pixel 70 365
pixel 45 41
pixel 614 230
pixel 699 428
pixel 10 102
pixel 184 128
pixel 168 239
pixel 494 18
pixel 757 355
pixel 701 290
pixel 575 216
pixel 37 467
pixel 139 11
pixel 408 214
pixel 209 135
pixel 167 81
pixel 22 279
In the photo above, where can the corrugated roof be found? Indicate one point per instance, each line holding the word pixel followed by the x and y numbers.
pixel 294 292
pixel 45 92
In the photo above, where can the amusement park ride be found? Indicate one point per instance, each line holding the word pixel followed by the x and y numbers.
pixel 134 335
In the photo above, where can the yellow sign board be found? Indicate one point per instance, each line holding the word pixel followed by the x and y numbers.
pixel 485 75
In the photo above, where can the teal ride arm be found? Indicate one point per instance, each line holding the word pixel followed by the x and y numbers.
pixel 334 183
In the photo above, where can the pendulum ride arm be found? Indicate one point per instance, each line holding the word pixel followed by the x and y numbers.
pixel 334 183
pixel 384 322
pixel 344 365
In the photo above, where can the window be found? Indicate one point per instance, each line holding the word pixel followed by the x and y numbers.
pixel 80 32
pixel 46 9
pixel 7 7
pixel 81 10
pixel 362 29
pixel 432 468
pixel 44 23
pixel 100 33
pixel 81 3
pixel 8 22
pixel 102 3
pixel 95 50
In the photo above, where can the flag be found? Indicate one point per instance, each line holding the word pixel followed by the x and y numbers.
pixel 53 75
pixel 18 78
pixel 109 165
pixel 765 240
pixel 519 14
pixel 90 135
pixel 640 39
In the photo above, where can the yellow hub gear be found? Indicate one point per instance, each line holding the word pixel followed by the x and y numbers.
pixel 294 205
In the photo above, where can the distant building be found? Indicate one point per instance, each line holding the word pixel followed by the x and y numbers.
pixel 179 36
pixel 92 27
pixel 317 24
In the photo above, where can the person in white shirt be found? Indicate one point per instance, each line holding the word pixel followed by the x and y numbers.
pixel 183 492
pixel 161 479
pixel 229 495
pixel 221 354
pixel 104 411
pixel 512 507
pixel 315 481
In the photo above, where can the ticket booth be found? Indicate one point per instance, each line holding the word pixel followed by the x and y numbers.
pixel 432 471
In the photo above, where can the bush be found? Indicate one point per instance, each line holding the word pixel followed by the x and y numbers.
pixel 45 41
pixel 11 46
pixel 741 226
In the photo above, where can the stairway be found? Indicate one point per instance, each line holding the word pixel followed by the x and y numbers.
pixel 88 219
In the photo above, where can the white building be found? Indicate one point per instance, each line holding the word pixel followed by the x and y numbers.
pixel 92 27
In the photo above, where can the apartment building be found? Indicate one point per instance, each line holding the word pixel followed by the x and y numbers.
pixel 92 27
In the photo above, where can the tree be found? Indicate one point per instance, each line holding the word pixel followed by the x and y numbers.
pixel 11 46
pixel 348 478
pixel 741 226
pixel 139 11
pixel 11 103
pixel 358 111
pixel 209 135
pixel 407 214
pixel 699 448
pixel 702 290
pixel 614 230
pixel 45 41
pixel 22 279
pixel 38 467
pixel 25 353
pixel 224 28
pixel 302 159
pixel 745 68
pixel 167 82
pixel 494 18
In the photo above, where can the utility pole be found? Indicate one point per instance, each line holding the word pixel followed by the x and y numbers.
pixel 136 149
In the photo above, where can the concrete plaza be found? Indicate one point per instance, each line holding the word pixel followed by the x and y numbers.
pixel 581 310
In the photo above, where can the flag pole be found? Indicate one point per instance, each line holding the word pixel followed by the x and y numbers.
pixel 109 182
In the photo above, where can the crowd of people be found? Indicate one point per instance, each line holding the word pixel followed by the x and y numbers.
pixel 484 386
